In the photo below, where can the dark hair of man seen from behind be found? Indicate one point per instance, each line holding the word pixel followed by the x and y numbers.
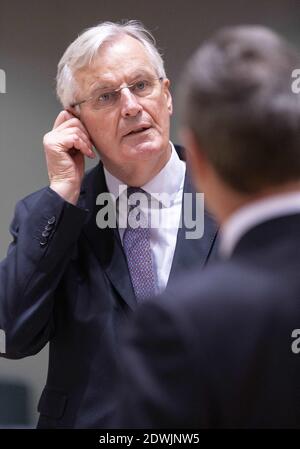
pixel 242 109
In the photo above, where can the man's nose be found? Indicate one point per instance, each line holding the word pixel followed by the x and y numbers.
pixel 130 107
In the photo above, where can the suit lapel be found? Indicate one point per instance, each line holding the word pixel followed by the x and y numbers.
pixel 105 243
pixel 192 252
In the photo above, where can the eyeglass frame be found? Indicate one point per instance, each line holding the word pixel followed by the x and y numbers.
pixel 128 86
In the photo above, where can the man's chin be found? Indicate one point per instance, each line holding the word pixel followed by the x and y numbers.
pixel 144 150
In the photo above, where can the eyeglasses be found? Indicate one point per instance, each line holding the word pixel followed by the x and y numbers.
pixel 102 99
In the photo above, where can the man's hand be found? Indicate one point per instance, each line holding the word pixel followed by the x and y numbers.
pixel 65 147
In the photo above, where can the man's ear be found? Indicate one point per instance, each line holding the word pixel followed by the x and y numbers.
pixel 167 93
pixel 196 158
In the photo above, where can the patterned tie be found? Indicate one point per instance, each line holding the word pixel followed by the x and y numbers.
pixel 136 242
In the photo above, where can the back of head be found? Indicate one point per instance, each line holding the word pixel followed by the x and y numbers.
pixel 239 103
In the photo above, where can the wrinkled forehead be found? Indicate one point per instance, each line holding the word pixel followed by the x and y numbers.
pixel 117 61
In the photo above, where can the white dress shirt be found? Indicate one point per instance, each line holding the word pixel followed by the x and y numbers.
pixel 247 217
pixel 170 181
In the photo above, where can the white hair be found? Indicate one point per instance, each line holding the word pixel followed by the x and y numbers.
pixel 81 52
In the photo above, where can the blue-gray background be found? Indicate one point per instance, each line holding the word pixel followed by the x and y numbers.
pixel 33 36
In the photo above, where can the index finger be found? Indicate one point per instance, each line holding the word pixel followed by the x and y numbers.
pixel 62 117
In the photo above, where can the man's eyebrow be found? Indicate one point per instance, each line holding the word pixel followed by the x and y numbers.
pixel 104 85
pixel 101 87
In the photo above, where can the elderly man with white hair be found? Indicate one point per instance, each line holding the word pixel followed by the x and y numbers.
pixel 72 275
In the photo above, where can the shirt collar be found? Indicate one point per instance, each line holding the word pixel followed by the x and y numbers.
pixel 169 180
pixel 247 217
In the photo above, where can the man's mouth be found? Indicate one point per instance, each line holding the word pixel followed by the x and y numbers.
pixel 138 130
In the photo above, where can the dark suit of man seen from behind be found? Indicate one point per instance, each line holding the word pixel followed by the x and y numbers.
pixel 70 279
pixel 219 350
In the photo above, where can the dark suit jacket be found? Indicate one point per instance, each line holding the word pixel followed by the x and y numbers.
pixel 66 281
pixel 215 352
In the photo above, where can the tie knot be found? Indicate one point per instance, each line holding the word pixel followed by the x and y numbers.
pixel 138 208
pixel 131 190
pixel 137 197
